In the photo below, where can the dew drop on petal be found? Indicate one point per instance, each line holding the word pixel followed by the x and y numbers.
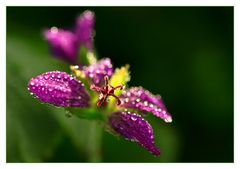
pixel 133 118
pixel 168 120
pixel 145 103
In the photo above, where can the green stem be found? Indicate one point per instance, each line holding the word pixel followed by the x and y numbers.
pixel 94 142
pixel 94 131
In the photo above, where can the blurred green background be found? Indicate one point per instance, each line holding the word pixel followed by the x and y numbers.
pixel 183 53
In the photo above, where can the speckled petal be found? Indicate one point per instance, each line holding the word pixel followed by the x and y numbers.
pixel 98 70
pixel 85 28
pixel 59 89
pixel 63 44
pixel 142 100
pixel 133 127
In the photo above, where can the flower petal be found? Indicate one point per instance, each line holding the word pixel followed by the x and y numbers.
pixel 142 100
pixel 99 70
pixel 133 127
pixel 59 89
pixel 85 28
pixel 63 44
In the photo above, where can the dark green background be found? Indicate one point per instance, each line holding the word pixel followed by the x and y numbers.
pixel 183 53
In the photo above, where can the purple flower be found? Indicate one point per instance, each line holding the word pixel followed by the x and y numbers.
pixel 63 44
pixel 66 44
pixel 85 29
pixel 98 71
pixel 143 101
pixel 59 89
pixel 133 127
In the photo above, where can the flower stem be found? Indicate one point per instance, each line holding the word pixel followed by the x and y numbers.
pixel 94 142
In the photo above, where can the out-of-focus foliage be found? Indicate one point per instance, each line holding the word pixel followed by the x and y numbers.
pixel 184 54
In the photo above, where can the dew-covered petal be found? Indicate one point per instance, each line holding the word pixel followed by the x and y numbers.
pixel 59 89
pixel 144 101
pixel 133 127
pixel 63 44
pixel 85 27
pixel 99 70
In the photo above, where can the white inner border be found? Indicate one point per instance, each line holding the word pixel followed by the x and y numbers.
pixel 3 6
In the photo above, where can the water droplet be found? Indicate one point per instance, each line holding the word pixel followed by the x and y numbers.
pixel 46 77
pixel 145 103
pixel 133 118
pixel 168 120
pixel 68 114
pixel 54 29
pixel 100 96
pixel 76 67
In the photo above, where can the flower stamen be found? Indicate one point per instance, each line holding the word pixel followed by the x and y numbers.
pixel 106 91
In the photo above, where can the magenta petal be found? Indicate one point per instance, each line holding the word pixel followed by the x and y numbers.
pixel 142 100
pixel 85 28
pixel 59 89
pixel 63 44
pixel 99 70
pixel 133 127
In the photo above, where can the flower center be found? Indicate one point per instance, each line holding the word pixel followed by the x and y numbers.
pixel 106 91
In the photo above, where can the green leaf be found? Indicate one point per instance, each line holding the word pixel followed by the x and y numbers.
pixel 32 132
